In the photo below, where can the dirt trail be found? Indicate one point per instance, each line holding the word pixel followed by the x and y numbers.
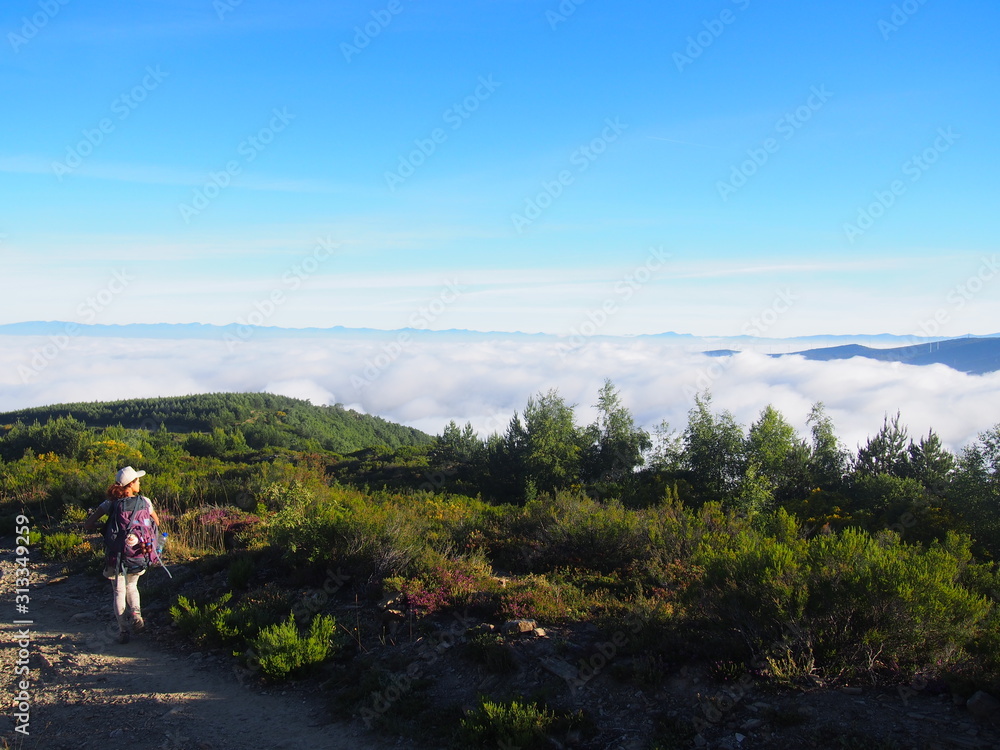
pixel 89 691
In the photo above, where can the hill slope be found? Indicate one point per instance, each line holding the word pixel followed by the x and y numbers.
pixel 264 419
pixel 972 355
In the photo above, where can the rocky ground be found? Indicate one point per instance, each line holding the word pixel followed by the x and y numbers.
pixel 88 691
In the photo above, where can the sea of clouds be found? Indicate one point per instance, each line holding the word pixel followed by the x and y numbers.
pixel 425 381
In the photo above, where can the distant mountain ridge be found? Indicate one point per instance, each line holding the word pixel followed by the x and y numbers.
pixel 242 332
pixel 976 356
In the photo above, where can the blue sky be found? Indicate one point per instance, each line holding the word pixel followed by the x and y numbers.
pixel 635 167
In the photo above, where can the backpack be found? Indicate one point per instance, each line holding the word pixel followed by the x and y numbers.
pixel 130 536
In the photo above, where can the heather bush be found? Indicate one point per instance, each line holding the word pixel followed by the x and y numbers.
pixel 205 624
pixel 507 724
pixel 752 587
pixel 539 597
pixel 447 584
pixel 369 538
pixel 568 530
pixel 207 529
pixel 878 606
pixel 846 604
pixel 61 545
pixel 282 651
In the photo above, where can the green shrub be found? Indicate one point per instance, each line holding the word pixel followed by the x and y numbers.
pixel 205 624
pixel 260 608
pixel 63 545
pixel 73 514
pixel 282 652
pixel 370 540
pixel 513 724
pixel 879 606
pixel 575 530
pixel 847 604
pixel 752 587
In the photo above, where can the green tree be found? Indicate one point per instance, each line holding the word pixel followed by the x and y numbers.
pixel 885 452
pixel 64 435
pixel 616 445
pixel 713 451
pixel 930 464
pixel 552 443
pixel 457 445
pixel 498 466
pixel 976 495
pixel 828 459
pixel 777 457
pixel 667 451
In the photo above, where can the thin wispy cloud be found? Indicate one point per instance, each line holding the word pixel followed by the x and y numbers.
pixel 683 143
pixel 152 174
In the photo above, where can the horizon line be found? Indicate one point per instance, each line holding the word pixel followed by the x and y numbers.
pixel 70 328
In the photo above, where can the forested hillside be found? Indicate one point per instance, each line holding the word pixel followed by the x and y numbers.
pixel 746 551
pixel 258 419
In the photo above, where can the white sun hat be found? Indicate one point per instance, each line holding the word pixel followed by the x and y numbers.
pixel 128 475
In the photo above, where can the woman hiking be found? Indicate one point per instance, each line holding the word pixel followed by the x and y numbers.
pixel 129 538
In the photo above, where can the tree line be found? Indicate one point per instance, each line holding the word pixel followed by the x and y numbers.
pixel 911 485
pixel 894 481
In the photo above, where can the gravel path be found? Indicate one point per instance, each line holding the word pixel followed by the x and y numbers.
pixel 88 691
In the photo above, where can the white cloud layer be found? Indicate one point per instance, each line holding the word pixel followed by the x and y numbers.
pixel 425 382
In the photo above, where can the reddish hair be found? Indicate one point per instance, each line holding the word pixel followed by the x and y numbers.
pixel 117 491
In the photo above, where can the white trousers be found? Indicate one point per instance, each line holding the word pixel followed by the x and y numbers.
pixel 125 598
